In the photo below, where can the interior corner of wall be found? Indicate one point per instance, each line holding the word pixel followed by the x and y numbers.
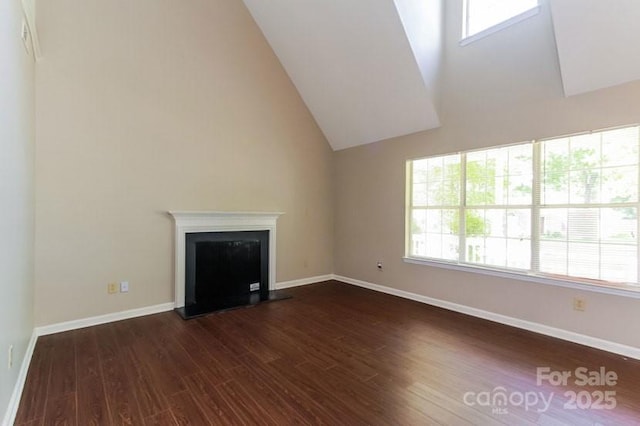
pixel 29 10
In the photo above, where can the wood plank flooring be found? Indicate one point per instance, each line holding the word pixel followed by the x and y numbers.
pixel 333 354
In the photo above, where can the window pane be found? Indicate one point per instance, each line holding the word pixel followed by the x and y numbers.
pixel 434 230
pixel 553 224
pixel 553 257
pixel 433 223
pixel 418 233
pixel 419 195
pixel 499 237
pixel 620 184
pixel 433 233
pixel 519 253
pixel 436 181
pixel 585 242
pixel 563 234
pixel 443 193
pixel 620 147
pixel 500 176
pixel 519 238
pixel 619 250
pixel 450 244
pixel 584 260
pixel 420 169
pixel 585 151
pixel 480 179
pixel 585 175
pixel 583 224
pixel 520 189
pixel 620 263
pixel 482 14
pixel 590 169
pixel 584 186
pixel 555 172
pixel 571 170
pixel 619 225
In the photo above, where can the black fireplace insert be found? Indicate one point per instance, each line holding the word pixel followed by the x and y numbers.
pixel 225 270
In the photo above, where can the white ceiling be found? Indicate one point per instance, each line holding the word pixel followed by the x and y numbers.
pixel 597 43
pixel 354 62
pixel 368 69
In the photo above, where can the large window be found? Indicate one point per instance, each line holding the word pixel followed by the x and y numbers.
pixel 561 208
pixel 481 15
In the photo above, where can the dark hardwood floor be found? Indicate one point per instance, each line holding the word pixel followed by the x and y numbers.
pixel 333 354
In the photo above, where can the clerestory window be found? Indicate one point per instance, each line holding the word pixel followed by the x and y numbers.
pixel 484 17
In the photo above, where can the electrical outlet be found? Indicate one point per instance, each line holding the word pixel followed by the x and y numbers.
pixel 579 304
pixel 10 357
pixel 112 288
pixel 124 286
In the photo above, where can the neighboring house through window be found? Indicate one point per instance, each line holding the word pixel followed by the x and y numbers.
pixel 564 208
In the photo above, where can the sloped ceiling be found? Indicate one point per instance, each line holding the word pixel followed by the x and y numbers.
pixel 597 43
pixel 355 63
pixel 368 69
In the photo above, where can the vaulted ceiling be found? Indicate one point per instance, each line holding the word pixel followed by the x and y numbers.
pixel 597 43
pixel 368 69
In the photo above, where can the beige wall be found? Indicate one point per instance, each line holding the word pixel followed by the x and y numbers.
pixel 16 196
pixel 153 105
pixel 149 106
pixel 503 89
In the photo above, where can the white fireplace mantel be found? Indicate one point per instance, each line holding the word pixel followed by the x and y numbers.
pixel 206 221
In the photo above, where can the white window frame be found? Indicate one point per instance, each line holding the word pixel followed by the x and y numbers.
pixel 533 275
pixel 470 38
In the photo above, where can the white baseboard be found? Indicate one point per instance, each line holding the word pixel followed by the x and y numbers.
pixel 14 402
pixel 148 310
pixel 624 350
pixel 304 281
pixel 102 319
pixel 594 342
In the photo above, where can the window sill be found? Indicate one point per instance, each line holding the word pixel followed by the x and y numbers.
pixel 626 291
pixel 501 26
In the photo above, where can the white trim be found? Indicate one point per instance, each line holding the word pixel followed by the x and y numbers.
pixel 102 319
pixel 605 345
pixel 594 342
pixel 208 221
pixel 149 310
pixel 304 281
pixel 501 26
pixel 523 276
pixel 14 402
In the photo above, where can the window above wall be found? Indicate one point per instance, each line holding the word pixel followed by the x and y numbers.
pixel 558 210
pixel 483 17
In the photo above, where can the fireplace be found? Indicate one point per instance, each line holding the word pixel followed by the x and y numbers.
pixel 224 260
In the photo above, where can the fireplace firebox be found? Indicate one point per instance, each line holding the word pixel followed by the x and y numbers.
pixel 225 269
pixel 224 260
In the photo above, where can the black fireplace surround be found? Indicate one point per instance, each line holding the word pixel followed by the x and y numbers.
pixel 226 270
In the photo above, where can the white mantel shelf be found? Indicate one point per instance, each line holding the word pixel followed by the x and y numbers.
pixel 214 221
